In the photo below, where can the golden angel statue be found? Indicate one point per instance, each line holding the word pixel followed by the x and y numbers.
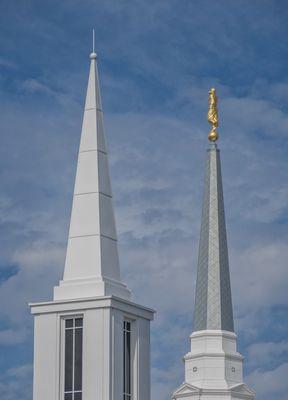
pixel 212 115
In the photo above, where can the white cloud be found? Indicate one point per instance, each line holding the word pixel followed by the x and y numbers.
pixel 270 384
pixel 164 381
pixel 12 336
pixel 16 383
pixel 261 354
pixel 260 270
pixel 39 269
pixel 7 63
pixel 21 371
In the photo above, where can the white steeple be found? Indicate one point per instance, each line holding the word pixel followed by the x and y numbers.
pixel 92 264
pixel 91 342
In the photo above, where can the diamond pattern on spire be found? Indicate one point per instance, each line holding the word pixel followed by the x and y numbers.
pixel 213 304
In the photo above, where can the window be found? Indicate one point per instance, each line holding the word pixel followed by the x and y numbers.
pixel 73 359
pixel 127 370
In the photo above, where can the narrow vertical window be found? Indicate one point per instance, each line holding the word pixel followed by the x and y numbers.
pixel 73 359
pixel 127 370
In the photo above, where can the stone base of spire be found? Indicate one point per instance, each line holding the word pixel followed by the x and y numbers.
pixel 213 368
pixel 84 288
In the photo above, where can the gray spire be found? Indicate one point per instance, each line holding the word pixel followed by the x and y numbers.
pixel 213 304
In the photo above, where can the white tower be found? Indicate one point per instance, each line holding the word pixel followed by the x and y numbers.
pixel 213 367
pixel 91 342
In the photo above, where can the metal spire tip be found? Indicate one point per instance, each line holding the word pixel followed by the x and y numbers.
pixel 93 55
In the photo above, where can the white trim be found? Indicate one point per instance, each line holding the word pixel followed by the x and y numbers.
pixel 79 305
pixel 62 356
pixel 135 365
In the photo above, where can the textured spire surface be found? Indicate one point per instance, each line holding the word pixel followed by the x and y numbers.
pixel 213 304
pixel 92 264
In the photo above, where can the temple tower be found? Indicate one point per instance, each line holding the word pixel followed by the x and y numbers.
pixel 213 367
pixel 92 342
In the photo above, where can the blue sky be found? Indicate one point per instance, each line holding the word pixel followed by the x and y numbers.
pixel 157 61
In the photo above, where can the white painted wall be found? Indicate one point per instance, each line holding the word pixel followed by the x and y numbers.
pixel 102 348
pixel 210 361
pixel 213 368
pixel 46 356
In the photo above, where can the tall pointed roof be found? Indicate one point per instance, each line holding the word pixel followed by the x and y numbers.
pixel 213 303
pixel 92 264
pixel 213 366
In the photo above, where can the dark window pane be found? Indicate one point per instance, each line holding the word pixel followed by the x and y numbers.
pixel 68 360
pixel 124 361
pixel 68 323
pixel 128 363
pixel 73 359
pixel 78 360
pixel 127 360
pixel 79 322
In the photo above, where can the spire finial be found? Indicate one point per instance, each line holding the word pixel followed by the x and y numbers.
pixel 93 55
pixel 212 115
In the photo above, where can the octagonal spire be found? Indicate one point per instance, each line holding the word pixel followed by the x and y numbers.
pixel 213 303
